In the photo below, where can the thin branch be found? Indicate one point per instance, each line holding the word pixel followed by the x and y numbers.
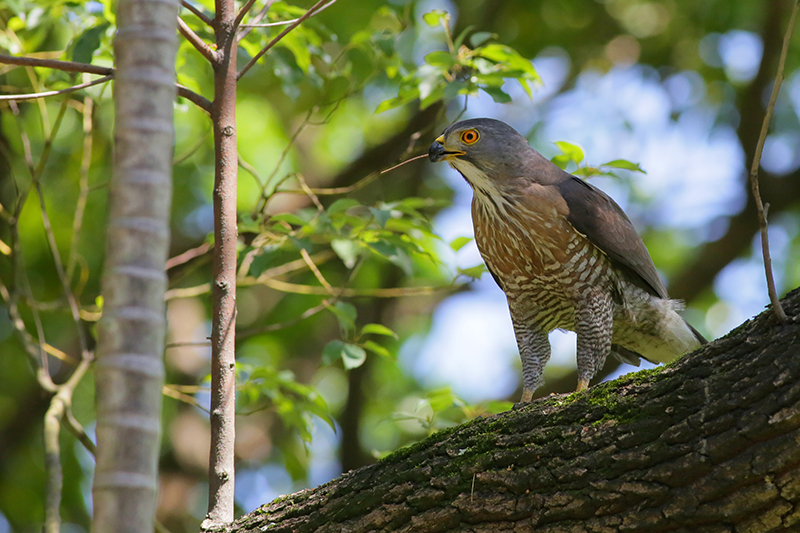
pixel 187 344
pixel 242 13
pixel 76 429
pixel 83 184
pixel 285 22
pixel 66 66
pixel 188 255
pixel 762 212
pixel 45 94
pixel 244 32
pixel 199 14
pixel 196 41
pixel 316 271
pixel 71 66
pixel 197 99
pixel 248 281
pixel 363 182
pixel 311 11
pixel 243 334
pixel 398 292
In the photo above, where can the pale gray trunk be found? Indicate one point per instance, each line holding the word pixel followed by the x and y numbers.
pixel 130 371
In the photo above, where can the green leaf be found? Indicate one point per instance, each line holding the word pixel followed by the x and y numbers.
pixel 88 42
pixel 346 315
pixel 381 215
pixel 625 165
pixel 436 17
pixel 480 37
pixel 376 348
pixel 572 151
pixel 473 272
pixel 440 58
pixel 497 94
pixel 347 251
pixel 442 399
pixel 291 218
pixel 459 242
pixel 353 356
pixel 342 204
pixel 378 329
pixel 332 352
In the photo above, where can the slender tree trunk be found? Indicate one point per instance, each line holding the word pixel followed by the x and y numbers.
pixel 710 443
pixel 130 372
pixel 223 395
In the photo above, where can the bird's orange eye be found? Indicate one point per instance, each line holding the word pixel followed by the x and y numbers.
pixel 470 136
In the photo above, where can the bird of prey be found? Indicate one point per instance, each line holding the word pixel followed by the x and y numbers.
pixel 565 254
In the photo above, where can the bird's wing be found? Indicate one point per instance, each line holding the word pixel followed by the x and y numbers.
pixel 593 213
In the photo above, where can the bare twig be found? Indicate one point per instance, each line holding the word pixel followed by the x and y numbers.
pixel 363 182
pixel 83 194
pixel 188 255
pixel 44 94
pixel 398 292
pixel 199 14
pixel 762 212
pixel 76 429
pixel 288 323
pixel 285 22
pixel 66 66
pixel 199 100
pixel 244 32
pixel 242 13
pixel 196 41
pixel 316 271
pixel 311 11
pixel 72 66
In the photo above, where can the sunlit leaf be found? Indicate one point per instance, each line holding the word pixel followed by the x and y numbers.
pixel 436 17
pixel 440 59
pixel 625 165
pixel 376 348
pixel 378 329
pixel 459 242
pixel 473 272
pixel 347 251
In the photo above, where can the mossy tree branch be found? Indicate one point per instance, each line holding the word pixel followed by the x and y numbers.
pixel 708 443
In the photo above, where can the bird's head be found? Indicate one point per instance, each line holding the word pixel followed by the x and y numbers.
pixel 485 151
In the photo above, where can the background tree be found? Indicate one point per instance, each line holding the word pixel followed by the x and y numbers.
pixel 334 259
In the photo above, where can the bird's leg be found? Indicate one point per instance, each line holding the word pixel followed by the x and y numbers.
pixel 534 350
pixel 594 323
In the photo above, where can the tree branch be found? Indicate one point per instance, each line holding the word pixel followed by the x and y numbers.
pixel 199 14
pixel 762 215
pixel 72 66
pixel 242 13
pixel 195 40
pixel 285 22
pixel 710 440
pixel 45 94
pixel 311 11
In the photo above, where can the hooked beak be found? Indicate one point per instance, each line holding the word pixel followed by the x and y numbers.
pixel 437 152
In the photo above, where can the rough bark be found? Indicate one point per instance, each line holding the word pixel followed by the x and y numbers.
pixel 223 299
pixel 708 443
pixel 130 371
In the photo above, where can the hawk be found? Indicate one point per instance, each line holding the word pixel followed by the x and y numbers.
pixel 565 254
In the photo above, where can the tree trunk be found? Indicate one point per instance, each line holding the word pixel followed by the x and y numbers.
pixel 130 370
pixel 708 443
